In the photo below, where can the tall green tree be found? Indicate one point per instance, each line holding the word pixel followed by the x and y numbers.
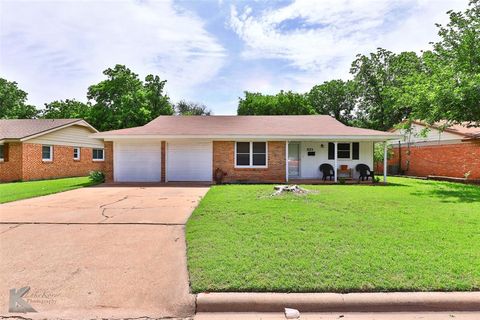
pixel 283 103
pixel 380 79
pixel 191 109
pixel 13 102
pixel 336 98
pixel 124 101
pixel 67 109
pixel 448 86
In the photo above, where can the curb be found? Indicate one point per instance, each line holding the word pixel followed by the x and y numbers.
pixel 337 302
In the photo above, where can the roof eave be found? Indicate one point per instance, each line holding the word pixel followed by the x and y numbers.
pixel 264 137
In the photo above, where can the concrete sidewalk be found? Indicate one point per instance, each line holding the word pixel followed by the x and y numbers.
pixel 343 316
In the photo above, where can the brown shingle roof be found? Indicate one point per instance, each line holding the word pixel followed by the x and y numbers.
pixel 22 128
pixel 461 129
pixel 311 125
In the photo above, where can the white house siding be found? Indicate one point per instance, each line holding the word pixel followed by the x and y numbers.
pixel 432 135
pixel 309 164
pixel 75 136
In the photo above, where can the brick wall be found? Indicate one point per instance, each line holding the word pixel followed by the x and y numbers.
pixel 62 165
pixel 108 165
pixel 450 160
pixel 11 168
pixel 224 158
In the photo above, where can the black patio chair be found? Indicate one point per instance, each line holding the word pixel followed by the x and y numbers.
pixel 365 172
pixel 327 171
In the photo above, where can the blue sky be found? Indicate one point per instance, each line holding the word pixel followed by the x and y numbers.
pixel 209 51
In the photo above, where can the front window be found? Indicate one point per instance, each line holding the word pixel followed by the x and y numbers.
pixel 251 154
pixel 47 153
pixel 343 150
pixel 76 153
pixel 98 154
pixel 2 153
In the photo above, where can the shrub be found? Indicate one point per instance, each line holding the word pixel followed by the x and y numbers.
pixel 342 180
pixel 97 176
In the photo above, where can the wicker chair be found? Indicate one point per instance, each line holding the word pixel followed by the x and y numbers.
pixel 365 172
pixel 327 171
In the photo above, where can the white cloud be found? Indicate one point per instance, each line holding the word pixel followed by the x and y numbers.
pixel 56 49
pixel 324 36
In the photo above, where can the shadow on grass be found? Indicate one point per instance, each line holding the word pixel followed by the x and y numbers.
pixel 453 193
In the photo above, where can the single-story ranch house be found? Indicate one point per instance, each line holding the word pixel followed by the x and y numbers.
pixel 48 148
pixel 453 151
pixel 239 148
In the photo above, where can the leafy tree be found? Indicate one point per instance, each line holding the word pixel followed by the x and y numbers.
pixel 380 79
pixel 124 101
pixel 66 109
pixel 158 101
pixel 336 98
pixel 283 103
pixel 191 109
pixel 448 86
pixel 13 102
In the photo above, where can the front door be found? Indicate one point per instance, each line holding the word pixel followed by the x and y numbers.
pixel 294 160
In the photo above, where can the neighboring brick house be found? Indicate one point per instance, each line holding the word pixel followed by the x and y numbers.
pixel 48 148
pixel 453 151
pixel 270 149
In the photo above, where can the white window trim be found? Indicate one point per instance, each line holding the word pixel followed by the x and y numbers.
pixel 251 156
pixel 51 153
pixel 350 151
pixel 78 153
pixel 103 154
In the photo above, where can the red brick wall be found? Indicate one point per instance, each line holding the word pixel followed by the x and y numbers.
pixel 450 160
pixel 62 165
pixel 11 168
pixel 224 158
pixel 108 165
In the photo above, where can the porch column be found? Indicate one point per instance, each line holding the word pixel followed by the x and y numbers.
pixel 286 161
pixel 336 162
pixel 385 149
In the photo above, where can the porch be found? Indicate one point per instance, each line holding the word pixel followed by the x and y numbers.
pixel 305 157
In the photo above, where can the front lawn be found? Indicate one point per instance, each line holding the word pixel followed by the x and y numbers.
pixel 412 235
pixel 22 190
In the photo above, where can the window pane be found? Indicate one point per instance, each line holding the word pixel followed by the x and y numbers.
pixel 1 151
pixel 46 152
pixel 344 146
pixel 343 154
pixel 98 154
pixel 243 147
pixel 259 159
pixel 259 147
pixel 243 159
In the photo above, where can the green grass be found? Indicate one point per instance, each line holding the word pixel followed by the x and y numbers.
pixel 412 235
pixel 23 190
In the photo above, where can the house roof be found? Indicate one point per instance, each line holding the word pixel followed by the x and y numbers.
pixel 314 126
pixel 463 129
pixel 22 129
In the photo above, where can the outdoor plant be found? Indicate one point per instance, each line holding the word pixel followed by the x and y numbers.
pixel 342 180
pixel 376 180
pixel 97 176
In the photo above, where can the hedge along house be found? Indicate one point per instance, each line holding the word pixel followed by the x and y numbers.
pixel 48 148
pixel 245 148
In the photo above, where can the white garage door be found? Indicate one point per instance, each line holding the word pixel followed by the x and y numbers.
pixel 189 161
pixel 137 162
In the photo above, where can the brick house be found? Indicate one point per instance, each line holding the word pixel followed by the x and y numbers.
pixel 448 152
pixel 48 148
pixel 240 148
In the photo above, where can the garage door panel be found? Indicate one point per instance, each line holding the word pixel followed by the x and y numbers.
pixel 189 161
pixel 137 162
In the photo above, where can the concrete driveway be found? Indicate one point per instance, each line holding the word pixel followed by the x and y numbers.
pixel 99 252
